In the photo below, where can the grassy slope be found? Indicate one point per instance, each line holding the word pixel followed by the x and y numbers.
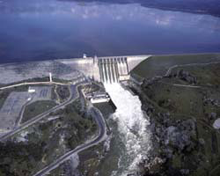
pixel 158 65
pixel 36 108
pixel 188 103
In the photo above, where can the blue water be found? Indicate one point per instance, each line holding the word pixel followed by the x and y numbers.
pixel 41 30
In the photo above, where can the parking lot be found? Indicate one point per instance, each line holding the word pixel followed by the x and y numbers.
pixel 11 109
pixel 40 93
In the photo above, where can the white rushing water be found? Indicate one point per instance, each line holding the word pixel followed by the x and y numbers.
pixel 132 126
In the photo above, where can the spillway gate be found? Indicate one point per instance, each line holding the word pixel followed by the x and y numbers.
pixel 113 70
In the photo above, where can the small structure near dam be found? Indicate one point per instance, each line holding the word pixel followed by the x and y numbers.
pixel 98 97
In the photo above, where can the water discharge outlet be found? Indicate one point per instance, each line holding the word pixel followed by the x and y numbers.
pixel 132 127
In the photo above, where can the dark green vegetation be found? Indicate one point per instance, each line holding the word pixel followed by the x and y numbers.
pixel 81 126
pixel 62 92
pixel 46 140
pixel 89 162
pixel 19 158
pixel 36 108
pixel 183 106
pixel 106 108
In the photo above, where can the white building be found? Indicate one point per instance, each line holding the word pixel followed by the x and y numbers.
pixel 31 90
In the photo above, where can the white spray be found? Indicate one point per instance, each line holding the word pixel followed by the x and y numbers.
pixel 132 126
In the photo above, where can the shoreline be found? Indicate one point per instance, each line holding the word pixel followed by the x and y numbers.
pixel 104 56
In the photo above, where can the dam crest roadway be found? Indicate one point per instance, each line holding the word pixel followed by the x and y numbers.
pixel 112 69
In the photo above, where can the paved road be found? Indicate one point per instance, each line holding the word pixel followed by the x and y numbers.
pixel 101 136
pixel 186 65
pixel 94 112
pixel 18 121
pixel 73 95
pixel 32 83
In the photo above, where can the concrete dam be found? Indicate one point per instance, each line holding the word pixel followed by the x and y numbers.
pixel 111 69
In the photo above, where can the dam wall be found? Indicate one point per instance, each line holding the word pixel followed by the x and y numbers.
pixel 106 69
pixel 85 65
pixel 68 69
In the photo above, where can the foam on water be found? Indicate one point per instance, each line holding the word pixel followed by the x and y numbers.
pixel 132 126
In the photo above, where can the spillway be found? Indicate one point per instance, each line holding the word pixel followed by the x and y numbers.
pixel 111 69
pixel 132 128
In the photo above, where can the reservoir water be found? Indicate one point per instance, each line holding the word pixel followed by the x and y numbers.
pixel 53 29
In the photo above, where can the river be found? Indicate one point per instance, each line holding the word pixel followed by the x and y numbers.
pixel 132 126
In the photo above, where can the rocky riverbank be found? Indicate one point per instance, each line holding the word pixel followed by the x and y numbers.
pixel 184 111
